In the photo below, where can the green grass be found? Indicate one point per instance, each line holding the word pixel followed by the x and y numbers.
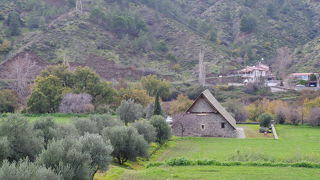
pixel 217 172
pixel 296 144
pixel 60 120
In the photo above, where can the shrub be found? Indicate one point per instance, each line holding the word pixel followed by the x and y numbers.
pixel 179 162
pixel 129 111
pixel 163 130
pixel 281 116
pixel 180 105
pixel 14 23
pixel 145 129
pixel 154 164
pixel 314 117
pixel 265 120
pixel 248 24
pixel 293 116
pixel 237 110
pixel 8 101
pixel 127 143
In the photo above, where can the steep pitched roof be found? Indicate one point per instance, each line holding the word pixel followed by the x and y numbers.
pixel 215 104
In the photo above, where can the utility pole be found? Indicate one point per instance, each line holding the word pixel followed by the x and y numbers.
pixel 202 70
pixel 79 7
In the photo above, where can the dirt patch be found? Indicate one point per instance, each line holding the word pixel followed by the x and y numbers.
pixel 109 70
pixel 8 68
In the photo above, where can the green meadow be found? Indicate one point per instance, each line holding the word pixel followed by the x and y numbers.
pixel 296 144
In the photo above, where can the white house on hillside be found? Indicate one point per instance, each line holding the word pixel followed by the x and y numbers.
pixel 254 73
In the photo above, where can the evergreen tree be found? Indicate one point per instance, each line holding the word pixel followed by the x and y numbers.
pixel 248 24
pixel 14 23
pixel 157 106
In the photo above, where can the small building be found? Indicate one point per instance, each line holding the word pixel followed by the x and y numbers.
pixel 255 73
pixel 205 118
pixel 301 76
pixel 311 79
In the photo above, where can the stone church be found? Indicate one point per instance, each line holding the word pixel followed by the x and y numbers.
pixel 205 118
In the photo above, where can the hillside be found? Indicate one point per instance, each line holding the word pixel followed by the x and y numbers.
pixel 162 37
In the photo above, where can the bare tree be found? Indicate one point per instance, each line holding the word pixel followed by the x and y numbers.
pixel 202 70
pixel 22 73
pixel 178 123
pixel 76 103
pixel 284 60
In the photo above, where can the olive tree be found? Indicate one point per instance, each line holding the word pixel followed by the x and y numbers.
pixel 5 149
pixel 99 151
pixel 66 158
pixel 146 129
pixel 105 120
pixel 24 169
pixel 85 125
pixel 45 128
pixel 127 143
pixel 22 140
pixel 163 130
pixel 129 111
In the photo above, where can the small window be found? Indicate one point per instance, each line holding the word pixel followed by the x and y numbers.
pixel 223 125
pixel 202 127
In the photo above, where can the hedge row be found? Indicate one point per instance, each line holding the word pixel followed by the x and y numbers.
pixel 187 162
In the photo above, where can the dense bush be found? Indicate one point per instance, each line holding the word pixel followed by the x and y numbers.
pixel 314 117
pixel 127 143
pixel 119 22
pixel 265 120
pixel 281 116
pixel 180 105
pixel 163 130
pixel 248 24
pixel 14 23
pixel 8 101
pixel 293 116
pixel 85 125
pixel 237 110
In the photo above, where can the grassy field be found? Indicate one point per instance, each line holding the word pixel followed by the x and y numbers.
pixel 296 144
pixel 216 172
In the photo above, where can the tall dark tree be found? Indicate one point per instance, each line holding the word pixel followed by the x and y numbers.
pixel 157 106
pixel 14 23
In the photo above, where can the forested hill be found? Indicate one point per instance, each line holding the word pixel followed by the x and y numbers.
pixel 163 37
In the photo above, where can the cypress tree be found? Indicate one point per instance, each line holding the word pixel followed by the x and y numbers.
pixel 157 106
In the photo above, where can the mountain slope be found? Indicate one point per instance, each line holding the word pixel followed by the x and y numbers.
pixel 163 37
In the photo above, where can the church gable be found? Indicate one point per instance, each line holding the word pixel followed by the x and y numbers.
pixel 202 106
